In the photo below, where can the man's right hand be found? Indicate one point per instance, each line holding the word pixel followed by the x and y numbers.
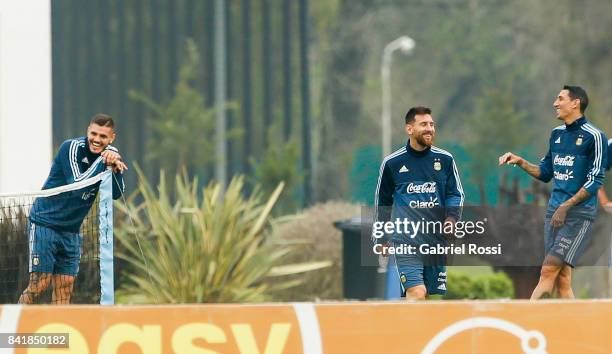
pixel 510 159
pixel 112 158
pixel 385 249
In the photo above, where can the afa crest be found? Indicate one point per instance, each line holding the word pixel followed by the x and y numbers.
pixel 579 141
pixel 437 165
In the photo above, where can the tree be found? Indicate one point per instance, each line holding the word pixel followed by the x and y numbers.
pixel 183 128
pixel 343 107
pixel 494 128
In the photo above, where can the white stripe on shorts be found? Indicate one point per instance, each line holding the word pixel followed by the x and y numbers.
pixel 399 277
pixel 31 245
pixel 577 241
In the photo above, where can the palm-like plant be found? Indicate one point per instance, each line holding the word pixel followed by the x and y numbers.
pixel 213 247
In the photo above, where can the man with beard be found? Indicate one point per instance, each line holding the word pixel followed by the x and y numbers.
pixel 55 221
pixel 576 160
pixel 418 182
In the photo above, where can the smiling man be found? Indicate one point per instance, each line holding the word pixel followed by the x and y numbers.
pixel 419 182
pixel 576 160
pixel 55 222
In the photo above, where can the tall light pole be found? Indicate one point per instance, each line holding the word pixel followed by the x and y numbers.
pixel 220 128
pixel 405 44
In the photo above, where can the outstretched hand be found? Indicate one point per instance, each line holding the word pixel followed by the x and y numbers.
pixel 119 166
pixel 510 159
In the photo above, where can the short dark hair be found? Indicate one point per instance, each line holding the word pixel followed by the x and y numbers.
pixel 578 93
pixel 418 110
pixel 103 120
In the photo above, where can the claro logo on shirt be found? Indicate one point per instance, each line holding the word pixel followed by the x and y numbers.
pixel 564 161
pixel 427 187
pixel 564 176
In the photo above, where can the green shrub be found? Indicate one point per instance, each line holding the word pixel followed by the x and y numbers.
pixel 316 239
pixel 486 286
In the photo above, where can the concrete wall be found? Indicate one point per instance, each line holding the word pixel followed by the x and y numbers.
pixel 25 94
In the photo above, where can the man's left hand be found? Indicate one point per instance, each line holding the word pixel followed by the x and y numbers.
pixel 449 224
pixel 558 218
pixel 119 166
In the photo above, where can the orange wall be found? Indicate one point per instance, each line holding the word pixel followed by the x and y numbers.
pixel 481 327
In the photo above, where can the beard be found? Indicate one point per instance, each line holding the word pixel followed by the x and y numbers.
pixel 422 141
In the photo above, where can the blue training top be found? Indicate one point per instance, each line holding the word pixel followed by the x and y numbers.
pixel 74 162
pixel 576 158
pixel 418 184
pixel 609 164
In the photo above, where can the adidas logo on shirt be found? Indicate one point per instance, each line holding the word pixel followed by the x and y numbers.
pixel 442 287
pixel 404 169
pixel 85 160
pixel 558 140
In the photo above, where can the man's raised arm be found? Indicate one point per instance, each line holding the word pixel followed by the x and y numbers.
pixel 543 172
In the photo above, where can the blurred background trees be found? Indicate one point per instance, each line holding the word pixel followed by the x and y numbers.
pixel 495 63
